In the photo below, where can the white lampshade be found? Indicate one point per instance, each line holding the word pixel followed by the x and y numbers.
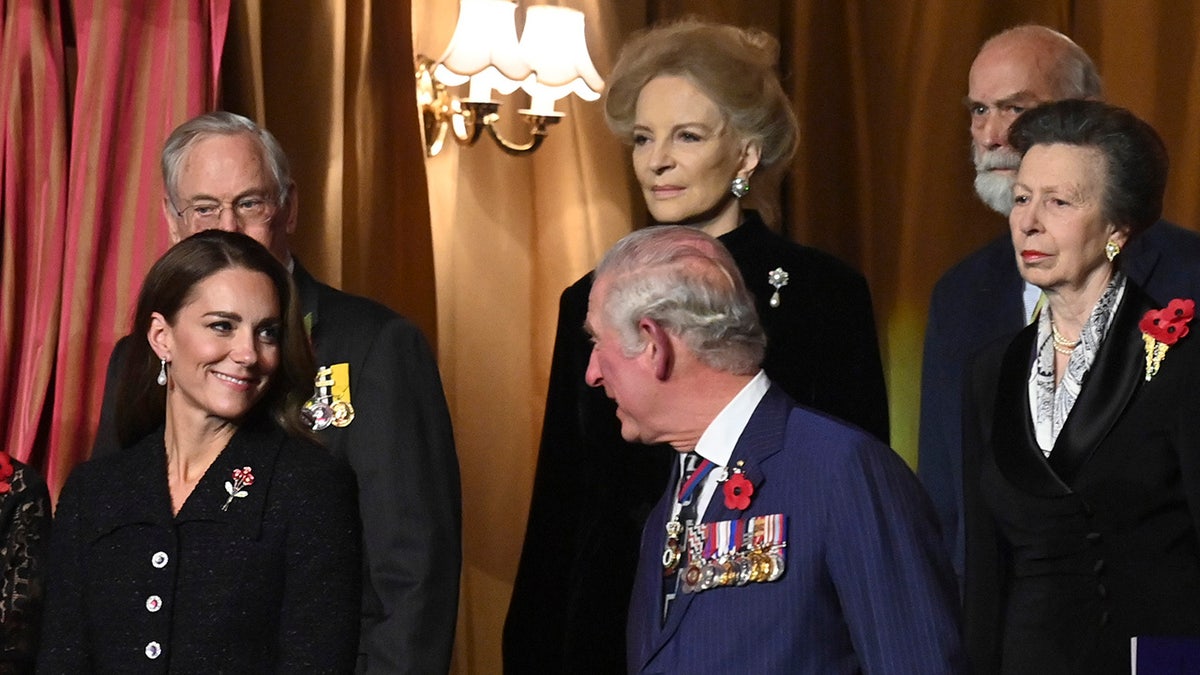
pixel 554 46
pixel 484 46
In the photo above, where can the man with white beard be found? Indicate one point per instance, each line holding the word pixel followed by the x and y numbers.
pixel 983 299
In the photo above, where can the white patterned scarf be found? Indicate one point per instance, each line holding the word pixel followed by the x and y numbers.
pixel 1051 405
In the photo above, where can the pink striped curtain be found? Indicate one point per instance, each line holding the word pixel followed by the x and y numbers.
pixel 143 67
pixel 33 169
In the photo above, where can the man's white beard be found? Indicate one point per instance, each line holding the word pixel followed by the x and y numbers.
pixel 995 189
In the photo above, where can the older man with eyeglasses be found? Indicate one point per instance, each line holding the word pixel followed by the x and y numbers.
pixel 377 397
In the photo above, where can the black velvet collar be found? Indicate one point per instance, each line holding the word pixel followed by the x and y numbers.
pixel 1106 391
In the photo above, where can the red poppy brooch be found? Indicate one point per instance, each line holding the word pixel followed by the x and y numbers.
pixel 242 478
pixel 737 489
pixel 1162 328
pixel 6 472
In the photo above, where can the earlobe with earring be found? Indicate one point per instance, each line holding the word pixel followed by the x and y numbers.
pixel 1111 250
pixel 162 373
pixel 739 187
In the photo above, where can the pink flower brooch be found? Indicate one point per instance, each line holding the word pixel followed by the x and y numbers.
pixel 242 478
pixel 1162 328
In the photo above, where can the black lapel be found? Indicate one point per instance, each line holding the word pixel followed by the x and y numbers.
pixel 138 476
pixel 307 287
pixel 1106 389
pixel 255 446
pixel 1014 443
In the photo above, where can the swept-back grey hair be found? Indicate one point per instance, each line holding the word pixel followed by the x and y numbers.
pixel 686 281
pixel 223 123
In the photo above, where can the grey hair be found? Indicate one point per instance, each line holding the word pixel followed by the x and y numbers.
pixel 1135 163
pixel 223 123
pixel 687 282
pixel 1074 74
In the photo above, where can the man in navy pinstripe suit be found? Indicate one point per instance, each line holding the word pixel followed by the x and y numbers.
pixel 787 541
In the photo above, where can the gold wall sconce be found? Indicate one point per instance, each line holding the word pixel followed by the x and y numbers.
pixel 549 62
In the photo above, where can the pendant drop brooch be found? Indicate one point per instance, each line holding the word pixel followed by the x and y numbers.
pixel 778 278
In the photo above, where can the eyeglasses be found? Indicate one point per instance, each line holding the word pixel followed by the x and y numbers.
pixel 247 210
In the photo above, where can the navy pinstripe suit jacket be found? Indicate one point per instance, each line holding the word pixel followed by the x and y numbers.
pixel 867 586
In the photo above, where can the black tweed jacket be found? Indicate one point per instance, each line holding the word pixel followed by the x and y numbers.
pixel 265 578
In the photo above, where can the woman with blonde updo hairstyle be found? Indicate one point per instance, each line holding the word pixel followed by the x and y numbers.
pixel 736 72
pixel 706 118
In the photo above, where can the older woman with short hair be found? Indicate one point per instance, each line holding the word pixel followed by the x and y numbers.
pixel 1083 529
pixel 706 118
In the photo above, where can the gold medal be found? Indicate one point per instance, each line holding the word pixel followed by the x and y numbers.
pixel 343 414
pixel 760 567
pixel 671 556
pixel 728 573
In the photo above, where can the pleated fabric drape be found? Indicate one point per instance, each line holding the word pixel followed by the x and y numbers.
pixel 509 234
pixel 33 214
pixel 103 86
pixel 333 81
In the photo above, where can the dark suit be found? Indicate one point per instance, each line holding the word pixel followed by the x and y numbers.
pixel 571 593
pixel 980 300
pixel 867 587
pixel 401 448
pixel 1069 557
pixel 268 584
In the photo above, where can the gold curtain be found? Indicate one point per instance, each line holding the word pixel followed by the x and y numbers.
pixel 509 234
pixel 332 80
pixel 882 180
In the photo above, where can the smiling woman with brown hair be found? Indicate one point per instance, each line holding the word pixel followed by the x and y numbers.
pixel 223 539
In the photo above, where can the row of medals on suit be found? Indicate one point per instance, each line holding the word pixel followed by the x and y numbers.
pixel 323 410
pixel 727 552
